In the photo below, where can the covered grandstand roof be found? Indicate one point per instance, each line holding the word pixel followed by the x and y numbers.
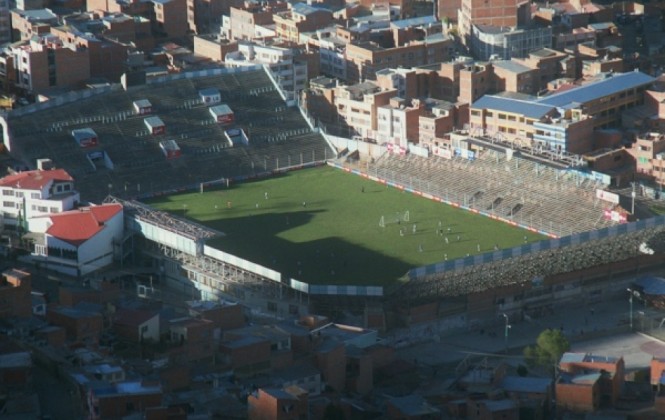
pixel 612 84
pixel 527 108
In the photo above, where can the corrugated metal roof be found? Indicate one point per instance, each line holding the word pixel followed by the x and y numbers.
pixel 527 108
pixel 512 66
pixel 572 357
pixel 524 384
pixel 612 84
pixel 417 21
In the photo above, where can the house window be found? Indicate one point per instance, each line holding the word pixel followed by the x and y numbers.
pixel 34 195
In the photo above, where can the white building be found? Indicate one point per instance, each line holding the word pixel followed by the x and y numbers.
pixel 291 75
pixel 505 43
pixel 78 242
pixel 30 194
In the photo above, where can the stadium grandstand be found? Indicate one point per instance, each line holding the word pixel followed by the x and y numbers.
pixel 128 159
pixel 125 158
pixel 532 194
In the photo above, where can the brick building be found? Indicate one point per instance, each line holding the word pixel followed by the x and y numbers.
pixel 588 382
pixel 246 19
pixel 411 407
pixel 46 62
pixel 277 404
pixel 15 370
pixel 107 400
pixel 649 154
pixel 15 297
pixel 365 58
pixel 80 326
pixel 137 325
pixel 170 18
pixel 213 47
pixel 27 23
pixel 301 18
pixel 224 315
pixel 193 339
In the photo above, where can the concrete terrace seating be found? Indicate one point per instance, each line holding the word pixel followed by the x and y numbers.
pixel 278 135
pixel 520 190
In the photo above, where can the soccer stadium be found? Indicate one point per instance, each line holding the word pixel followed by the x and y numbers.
pixel 170 137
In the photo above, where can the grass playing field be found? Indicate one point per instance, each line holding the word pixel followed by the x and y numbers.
pixel 322 226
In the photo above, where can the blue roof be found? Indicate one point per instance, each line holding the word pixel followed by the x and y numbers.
pixel 527 108
pixel 652 285
pixel 416 21
pixel 612 84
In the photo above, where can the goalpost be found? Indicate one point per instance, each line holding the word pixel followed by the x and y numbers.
pixel 407 217
pixel 382 222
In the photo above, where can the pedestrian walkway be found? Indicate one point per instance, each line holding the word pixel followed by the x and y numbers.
pixel 578 322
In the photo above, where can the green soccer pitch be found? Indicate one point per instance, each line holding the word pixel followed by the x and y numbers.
pixel 324 226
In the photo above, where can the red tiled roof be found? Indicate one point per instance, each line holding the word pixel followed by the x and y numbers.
pixel 34 180
pixel 77 226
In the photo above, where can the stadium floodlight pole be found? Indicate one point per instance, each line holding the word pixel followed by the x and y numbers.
pixel 630 300
pixel 505 332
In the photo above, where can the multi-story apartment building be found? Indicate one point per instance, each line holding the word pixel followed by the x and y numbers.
pixel 592 68
pixel 107 57
pixel 528 123
pixel 474 81
pixel 26 23
pixel 397 122
pixel 448 9
pixel 7 73
pixel 512 76
pixel 565 120
pixel 246 19
pixel 34 193
pixel 486 42
pixel 301 18
pixel 499 14
pixel 606 97
pixel 204 16
pixel 213 46
pixel 170 18
pixel 5 22
pixel 568 39
pixel 357 106
pixel 366 58
pixel 126 29
pixel 46 62
pixel 130 7
pixel 404 81
pixel 438 119
pixel 649 154
pixel 551 65
pixel 291 73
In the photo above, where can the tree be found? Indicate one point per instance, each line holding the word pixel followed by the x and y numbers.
pixel 550 346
